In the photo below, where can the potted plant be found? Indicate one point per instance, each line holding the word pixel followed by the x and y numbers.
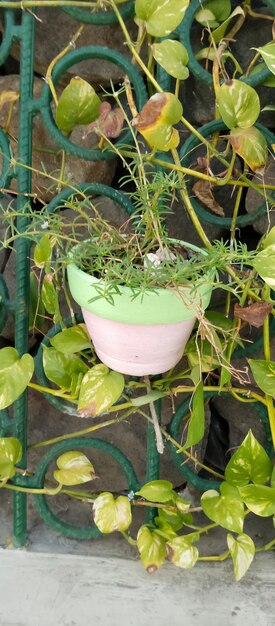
pixel 121 278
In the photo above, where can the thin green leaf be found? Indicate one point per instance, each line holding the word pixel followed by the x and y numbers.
pixel 196 426
pixel 78 104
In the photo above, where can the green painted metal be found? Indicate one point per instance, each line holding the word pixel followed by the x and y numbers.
pixel 16 424
pixel 184 32
pixel 187 155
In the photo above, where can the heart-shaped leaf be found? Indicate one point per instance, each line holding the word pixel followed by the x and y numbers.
pixel 78 104
pixel 182 553
pixel 152 549
pixel 264 374
pixel 226 509
pixel 249 463
pixel 61 368
pixel 74 468
pixel 71 340
pixel 264 264
pixel 10 454
pixel 242 550
pixel 213 11
pixel 220 31
pixel 161 17
pixel 268 54
pixel 155 121
pixel 238 103
pixel 157 491
pixel 100 389
pixel 112 514
pixel 251 146
pixel 173 57
pixel 15 374
pixel 259 499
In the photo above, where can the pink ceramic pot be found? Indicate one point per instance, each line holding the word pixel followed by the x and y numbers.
pixel 144 335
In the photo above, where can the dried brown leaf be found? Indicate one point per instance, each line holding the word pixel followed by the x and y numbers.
pixel 254 314
pixel 203 191
pixel 109 122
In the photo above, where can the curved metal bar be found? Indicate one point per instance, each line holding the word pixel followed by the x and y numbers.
pixel 103 18
pixel 74 444
pixel 94 189
pixel 4 297
pixel 10 32
pixel 181 461
pixel 184 31
pixel 82 54
pixel 186 155
pixel 7 173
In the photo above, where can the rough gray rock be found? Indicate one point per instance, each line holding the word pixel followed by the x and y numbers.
pixel 56 30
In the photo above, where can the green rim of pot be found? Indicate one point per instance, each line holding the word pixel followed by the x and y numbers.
pixel 161 306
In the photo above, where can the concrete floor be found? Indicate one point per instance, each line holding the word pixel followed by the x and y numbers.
pixel 39 589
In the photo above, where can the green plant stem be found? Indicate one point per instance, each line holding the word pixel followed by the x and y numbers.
pixel 82 432
pixel 129 539
pixel 52 392
pixel 28 4
pixel 221 557
pixel 267 355
pixel 46 492
pixel 179 447
pixel 186 200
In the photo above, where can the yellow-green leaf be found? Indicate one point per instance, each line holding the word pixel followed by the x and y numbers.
pixel 182 553
pixel 264 263
pixel 242 550
pixel 268 54
pixel 226 509
pixel 71 340
pixel 264 374
pixel 259 499
pixel 74 468
pixel 10 454
pixel 100 389
pixel 161 17
pixel 112 514
pixel 251 146
pixel 249 463
pixel 157 491
pixel 78 104
pixel 155 121
pixel 239 104
pixel 152 549
pixel 15 374
pixel 173 57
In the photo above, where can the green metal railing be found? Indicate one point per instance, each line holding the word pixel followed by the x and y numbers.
pixel 16 424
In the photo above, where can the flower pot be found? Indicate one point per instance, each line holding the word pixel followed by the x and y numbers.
pixel 144 335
